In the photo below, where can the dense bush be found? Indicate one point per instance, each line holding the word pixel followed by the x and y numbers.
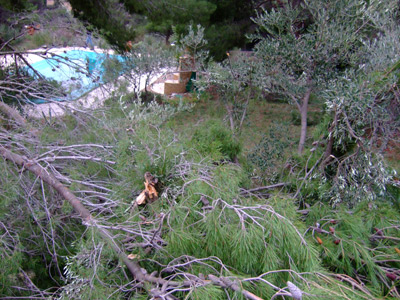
pixel 215 140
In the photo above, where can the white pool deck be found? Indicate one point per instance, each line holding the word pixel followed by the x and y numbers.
pixel 91 100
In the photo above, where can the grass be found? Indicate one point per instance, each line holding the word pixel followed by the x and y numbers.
pixel 261 114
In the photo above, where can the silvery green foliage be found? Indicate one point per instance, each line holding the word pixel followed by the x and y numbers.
pixel 384 50
pixel 359 177
pixel 381 15
pixel 292 51
pixel 146 60
pixel 367 112
pixel 75 265
pixel 195 38
pixel 74 284
pixel 194 42
pixel 152 112
pixel 233 80
pixel 362 124
pixel 231 76
pixel 350 99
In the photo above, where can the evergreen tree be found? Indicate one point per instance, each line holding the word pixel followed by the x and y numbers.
pixel 226 22
pixel 109 17
pixel 163 15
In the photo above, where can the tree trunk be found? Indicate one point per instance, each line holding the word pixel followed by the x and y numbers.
pixel 231 121
pixel 303 113
pixel 167 36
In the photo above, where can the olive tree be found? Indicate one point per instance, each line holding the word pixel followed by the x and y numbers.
pixel 145 61
pixel 364 109
pixel 301 48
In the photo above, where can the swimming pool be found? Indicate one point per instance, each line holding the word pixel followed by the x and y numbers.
pixel 77 71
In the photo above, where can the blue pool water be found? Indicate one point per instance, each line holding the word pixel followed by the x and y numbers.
pixel 77 71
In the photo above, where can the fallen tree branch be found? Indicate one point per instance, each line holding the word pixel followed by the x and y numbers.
pixel 261 188
pixel 12 114
pixel 84 214
pixel 227 283
pixel 25 61
pixel 384 237
pixel 133 266
pixel 76 157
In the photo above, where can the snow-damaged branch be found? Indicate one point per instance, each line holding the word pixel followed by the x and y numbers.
pixel 83 212
pixel 242 213
pixel 268 187
pixel 12 114
pixel 76 157
pixel 168 285
pixel 227 283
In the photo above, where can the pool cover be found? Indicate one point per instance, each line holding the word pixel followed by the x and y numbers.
pixel 77 71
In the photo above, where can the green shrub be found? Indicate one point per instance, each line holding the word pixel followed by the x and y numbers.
pixel 268 154
pixel 39 39
pixel 213 139
pixel 6 32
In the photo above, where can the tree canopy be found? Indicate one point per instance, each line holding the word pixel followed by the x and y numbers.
pixel 225 21
pixel 108 17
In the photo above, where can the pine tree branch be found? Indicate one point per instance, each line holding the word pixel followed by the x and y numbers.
pixel 267 187
pixel 25 61
pixel 12 114
pixel 84 214
pixel 169 286
pixel 227 283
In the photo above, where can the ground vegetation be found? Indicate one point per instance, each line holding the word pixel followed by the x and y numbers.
pixel 241 212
